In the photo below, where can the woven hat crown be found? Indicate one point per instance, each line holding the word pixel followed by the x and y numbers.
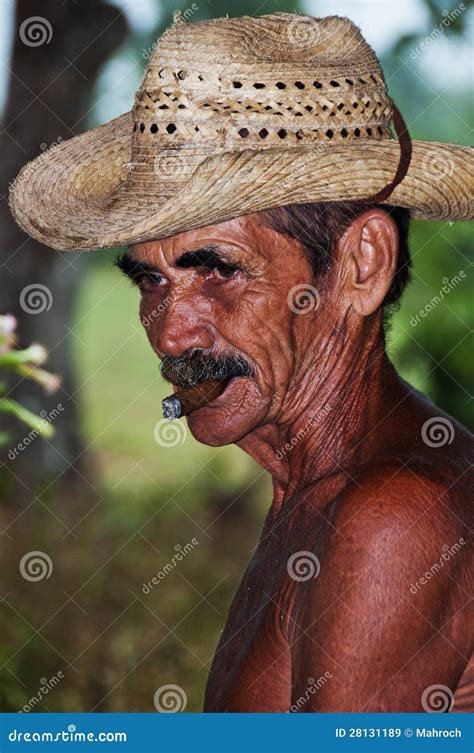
pixel 281 80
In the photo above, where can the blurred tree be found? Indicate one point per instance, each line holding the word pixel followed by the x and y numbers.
pixel 52 70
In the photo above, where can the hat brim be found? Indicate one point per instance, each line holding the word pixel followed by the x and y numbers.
pixel 76 196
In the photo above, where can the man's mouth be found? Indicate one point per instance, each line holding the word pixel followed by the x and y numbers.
pixel 200 379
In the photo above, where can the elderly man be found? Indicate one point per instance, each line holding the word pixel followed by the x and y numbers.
pixel 265 204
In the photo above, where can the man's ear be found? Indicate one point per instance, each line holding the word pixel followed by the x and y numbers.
pixel 368 254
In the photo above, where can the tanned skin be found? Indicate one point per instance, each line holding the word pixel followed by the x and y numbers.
pixel 359 488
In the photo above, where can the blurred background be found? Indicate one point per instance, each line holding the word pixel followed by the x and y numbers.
pixel 92 513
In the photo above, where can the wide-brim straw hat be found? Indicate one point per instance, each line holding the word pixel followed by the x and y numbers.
pixel 234 116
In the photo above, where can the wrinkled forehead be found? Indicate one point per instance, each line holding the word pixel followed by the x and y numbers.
pixel 247 239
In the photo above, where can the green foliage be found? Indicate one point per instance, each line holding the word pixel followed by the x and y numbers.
pixel 24 363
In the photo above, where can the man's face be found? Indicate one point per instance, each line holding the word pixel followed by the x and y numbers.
pixel 233 289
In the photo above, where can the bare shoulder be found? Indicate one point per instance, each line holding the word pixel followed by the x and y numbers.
pixel 391 526
pixel 387 610
pixel 409 498
pixel 421 478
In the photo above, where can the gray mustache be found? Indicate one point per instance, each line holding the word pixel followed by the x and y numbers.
pixel 199 366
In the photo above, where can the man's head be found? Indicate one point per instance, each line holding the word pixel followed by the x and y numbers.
pixel 270 299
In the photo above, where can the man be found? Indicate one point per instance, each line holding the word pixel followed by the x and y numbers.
pixel 265 206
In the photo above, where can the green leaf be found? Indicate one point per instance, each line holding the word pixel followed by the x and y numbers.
pixel 40 425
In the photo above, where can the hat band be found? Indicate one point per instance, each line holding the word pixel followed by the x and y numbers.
pixel 406 151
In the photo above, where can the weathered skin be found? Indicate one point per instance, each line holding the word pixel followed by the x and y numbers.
pixel 357 487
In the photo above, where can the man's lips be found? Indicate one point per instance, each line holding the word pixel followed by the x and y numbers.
pixel 177 388
pixel 216 401
pixel 234 382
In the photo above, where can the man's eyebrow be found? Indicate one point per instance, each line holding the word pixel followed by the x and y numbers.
pixel 211 257
pixel 133 268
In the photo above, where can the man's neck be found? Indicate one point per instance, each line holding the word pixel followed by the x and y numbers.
pixel 341 399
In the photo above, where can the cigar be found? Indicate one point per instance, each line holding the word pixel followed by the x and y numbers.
pixel 183 402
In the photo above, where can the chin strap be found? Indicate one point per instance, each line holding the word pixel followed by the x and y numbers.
pixel 406 149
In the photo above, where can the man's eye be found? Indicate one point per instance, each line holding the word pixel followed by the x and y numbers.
pixel 225 272
pixel 149 281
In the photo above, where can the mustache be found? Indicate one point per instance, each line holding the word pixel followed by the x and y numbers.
pixel 191 369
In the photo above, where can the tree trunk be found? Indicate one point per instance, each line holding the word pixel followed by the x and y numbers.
pixel 52 72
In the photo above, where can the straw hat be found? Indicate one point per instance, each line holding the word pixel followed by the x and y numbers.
pixel 233 116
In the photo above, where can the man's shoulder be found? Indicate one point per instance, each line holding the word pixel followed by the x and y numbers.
pixel 400 483
pixel 394 503
pixel 387 528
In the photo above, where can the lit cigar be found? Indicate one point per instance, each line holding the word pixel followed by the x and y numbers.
pixel 183 402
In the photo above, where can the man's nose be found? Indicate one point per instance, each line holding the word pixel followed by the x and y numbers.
pixel 181 329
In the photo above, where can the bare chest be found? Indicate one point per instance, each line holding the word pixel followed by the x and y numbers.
pixel 252 665
pixel 251 668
